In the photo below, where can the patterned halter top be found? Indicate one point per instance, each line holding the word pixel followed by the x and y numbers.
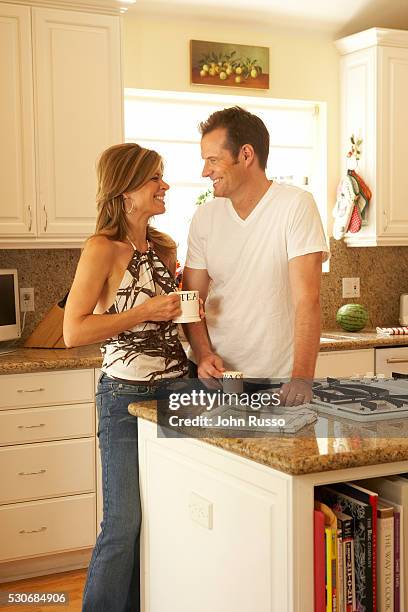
pixel 152 350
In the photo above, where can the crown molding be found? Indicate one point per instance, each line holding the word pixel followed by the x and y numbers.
pixel 105 7
pixel 374 37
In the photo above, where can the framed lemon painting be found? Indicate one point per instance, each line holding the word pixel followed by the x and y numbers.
pixel 229 65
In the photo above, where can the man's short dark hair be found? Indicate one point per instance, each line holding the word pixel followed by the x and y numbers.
pixel 242 128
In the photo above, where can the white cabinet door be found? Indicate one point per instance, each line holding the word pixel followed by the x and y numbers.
pixel 393 153
pixel 344 363
pixel 78 113
pixel 374 84
pixel 17 169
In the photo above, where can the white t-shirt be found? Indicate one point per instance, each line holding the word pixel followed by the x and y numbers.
pixel 249 311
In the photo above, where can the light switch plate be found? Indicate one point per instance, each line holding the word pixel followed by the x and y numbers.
pixel 351 287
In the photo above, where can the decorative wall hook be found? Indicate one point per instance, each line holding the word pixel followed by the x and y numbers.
pixel 355 149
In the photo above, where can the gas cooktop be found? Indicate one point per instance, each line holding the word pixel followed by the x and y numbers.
pixel 362 399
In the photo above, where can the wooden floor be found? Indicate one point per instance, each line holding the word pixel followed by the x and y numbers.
pixel 70 582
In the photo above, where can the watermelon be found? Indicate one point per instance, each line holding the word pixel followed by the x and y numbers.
pixel 352 317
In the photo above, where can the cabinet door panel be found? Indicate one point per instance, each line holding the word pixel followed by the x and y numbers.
pixel 17 173
pixel 78 112
pixel 394 153
pixel 344 363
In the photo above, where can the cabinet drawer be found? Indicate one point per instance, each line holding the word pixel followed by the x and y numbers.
pixel 391 360
pixel 41 424
pixel 48 469
pixel 344 363
pixel 46 388
pixel 37 528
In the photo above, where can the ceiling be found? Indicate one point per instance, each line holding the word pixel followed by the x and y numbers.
pixel 338 17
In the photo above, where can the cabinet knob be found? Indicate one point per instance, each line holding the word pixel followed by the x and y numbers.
pixel 46 219
pixel 30 426
pixel 30 390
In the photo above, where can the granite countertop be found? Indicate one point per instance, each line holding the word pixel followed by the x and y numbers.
pixel 340 340
pixel 36 360
pixel 326 445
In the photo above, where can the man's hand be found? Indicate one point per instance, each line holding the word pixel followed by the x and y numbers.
pixel 209 367
pixel 295 392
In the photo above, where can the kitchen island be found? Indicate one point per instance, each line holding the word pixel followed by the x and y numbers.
pixel 47 408
pixel 228 522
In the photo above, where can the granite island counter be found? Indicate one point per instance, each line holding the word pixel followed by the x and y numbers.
pixel 329 444
pixel 235 516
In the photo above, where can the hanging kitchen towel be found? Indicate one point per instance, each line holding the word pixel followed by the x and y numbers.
pixel 347 196
pixel 355 219
pixel 364 192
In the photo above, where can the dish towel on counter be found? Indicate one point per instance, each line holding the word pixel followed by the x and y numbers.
pixel 392 331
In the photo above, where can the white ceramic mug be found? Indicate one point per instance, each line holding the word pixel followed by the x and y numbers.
pixel 232 381
pixel 190 307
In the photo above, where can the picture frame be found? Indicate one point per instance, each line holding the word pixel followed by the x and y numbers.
pixel 229 65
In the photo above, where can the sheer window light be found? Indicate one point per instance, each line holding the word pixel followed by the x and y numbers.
pixel 168 123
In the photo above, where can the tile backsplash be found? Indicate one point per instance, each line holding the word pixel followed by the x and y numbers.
pixel 383 274
pixel 49 271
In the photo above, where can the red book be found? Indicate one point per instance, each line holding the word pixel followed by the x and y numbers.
pixel 319 563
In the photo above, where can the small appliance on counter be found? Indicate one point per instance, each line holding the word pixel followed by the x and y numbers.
pixel 403 315
pixel 403 320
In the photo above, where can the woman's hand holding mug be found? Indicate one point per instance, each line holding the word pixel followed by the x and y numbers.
pixel 162 307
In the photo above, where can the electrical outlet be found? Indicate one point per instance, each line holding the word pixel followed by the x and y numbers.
pixel 351 287
pixel 27 299
pixel 201 510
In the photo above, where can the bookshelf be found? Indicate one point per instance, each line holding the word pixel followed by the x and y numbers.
pixel 257 550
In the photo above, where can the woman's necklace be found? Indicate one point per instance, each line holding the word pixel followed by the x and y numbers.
pixel 143 249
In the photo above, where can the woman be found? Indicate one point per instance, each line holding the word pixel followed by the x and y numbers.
pixel 120 296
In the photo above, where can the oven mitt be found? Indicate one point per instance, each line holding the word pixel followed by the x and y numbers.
pixel 347 197
pixel 365 192
pixel 355 219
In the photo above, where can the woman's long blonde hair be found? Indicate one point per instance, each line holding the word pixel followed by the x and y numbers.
pixel 122 168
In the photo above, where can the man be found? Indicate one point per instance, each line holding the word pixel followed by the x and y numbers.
pixel 255 255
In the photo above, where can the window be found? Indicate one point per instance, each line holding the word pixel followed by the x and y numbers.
pixel 168 123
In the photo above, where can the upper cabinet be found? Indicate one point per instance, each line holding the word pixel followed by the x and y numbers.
pixel 374 103
pixel 17 163
pixel 61 106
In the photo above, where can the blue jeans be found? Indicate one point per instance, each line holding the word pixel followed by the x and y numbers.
pixel 113 581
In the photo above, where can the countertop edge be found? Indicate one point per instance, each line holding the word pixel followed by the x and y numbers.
pixel 26 360
pixel 295 466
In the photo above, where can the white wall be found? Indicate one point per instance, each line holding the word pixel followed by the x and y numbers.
pixel 303 64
